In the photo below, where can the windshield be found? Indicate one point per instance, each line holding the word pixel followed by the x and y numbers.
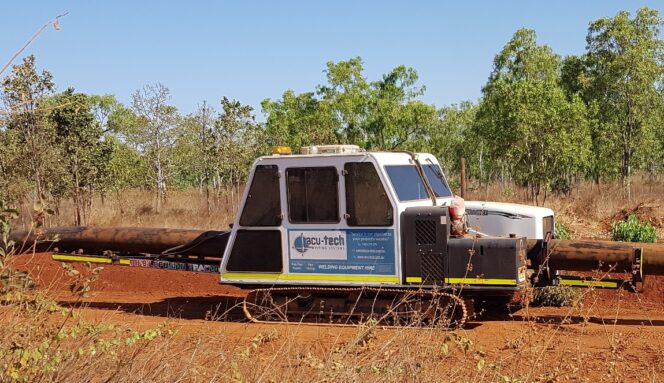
pixel 409 185
pixel 407 182
pixel 437 180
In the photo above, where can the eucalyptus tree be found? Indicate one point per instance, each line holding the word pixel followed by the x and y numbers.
pixel 450 137
pixel 298 120
pixel 27 128
pixel 625 65
pixel 155 135
pixel 196 149
pixel 103 107
pixel 127 167
pixel 394 116
pixel 348 108
pixel 347 94
pixel 84 152
pixel 238 141
pixel 526 119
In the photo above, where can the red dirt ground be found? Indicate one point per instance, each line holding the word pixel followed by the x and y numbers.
pixel 119 284
pixel 194 302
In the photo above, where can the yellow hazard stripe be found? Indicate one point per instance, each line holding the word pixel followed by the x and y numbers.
pixel 362 278
pixel 311 277
pixel 468 281
pixel 81 258
pixel 580 282
pixel 480 281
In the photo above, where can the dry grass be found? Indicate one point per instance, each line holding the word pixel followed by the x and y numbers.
pixel 586 211
pixel 43 341
pixel 136 208
pixel 589 206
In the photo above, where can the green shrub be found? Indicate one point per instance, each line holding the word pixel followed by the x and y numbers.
pixel 40 340
pixel 10 279
pixel 561 231
pixel 557 296
pixel 631 230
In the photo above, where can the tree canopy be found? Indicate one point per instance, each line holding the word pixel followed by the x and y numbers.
pixel 543 121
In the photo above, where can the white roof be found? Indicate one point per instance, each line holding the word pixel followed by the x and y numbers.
pixel 380 157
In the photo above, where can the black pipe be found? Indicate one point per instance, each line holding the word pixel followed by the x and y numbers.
pixel 128 240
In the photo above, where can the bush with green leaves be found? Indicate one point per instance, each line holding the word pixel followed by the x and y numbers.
pixel 631 230
pixel 562 231
pixel 41 340
pixel 557 296
pixel 10 279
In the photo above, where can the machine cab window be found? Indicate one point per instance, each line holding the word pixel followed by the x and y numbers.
pixel 437 180
pixel 407 182
pixel 409 186
pixel 313 195
pixel 263 206
pixel 367 203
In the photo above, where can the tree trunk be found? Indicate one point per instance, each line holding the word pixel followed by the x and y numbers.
pixel 626 171
pixel 481 167
pixel 77 191
pixel 207 197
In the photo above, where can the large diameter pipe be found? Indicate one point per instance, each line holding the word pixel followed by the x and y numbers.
pixel 653 258
pixel 93 240
pixel 573 255
pixel 588 255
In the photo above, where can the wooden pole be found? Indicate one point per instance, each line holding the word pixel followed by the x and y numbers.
pixel 463 177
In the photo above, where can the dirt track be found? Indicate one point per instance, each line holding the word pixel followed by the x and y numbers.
pixel 624 327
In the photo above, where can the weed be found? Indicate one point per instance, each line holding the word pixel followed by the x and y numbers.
pixel 10 279
pixel 258 340
pixel 81 283
pixel 562 231
pixel 631 230
pixel 514 343
pixel 41 340
pixel 36 345
pixel 366 333
pixel 557 296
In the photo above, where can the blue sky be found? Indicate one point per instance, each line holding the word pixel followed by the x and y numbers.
pixel 204 50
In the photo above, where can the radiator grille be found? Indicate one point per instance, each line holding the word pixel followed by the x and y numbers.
pixel 432 268
pixel 425 232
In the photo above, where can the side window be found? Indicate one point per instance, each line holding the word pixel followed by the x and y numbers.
pixel 313 195
pixel 366 200
pixel 263 207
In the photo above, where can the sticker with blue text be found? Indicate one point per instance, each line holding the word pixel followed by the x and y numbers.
pixel 351 251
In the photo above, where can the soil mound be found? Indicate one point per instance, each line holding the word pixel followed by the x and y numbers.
pixel 642 211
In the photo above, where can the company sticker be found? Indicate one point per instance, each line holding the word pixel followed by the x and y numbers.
pixel 318 244
pixel 352 251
